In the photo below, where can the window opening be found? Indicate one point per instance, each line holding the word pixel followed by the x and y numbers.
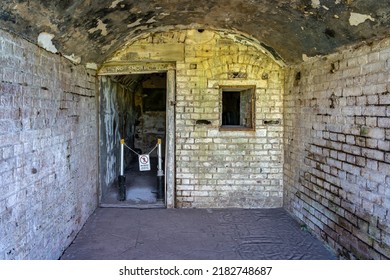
pixel 237 108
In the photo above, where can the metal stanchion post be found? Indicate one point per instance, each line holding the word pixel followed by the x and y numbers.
pixel 122 178
pixel 160 173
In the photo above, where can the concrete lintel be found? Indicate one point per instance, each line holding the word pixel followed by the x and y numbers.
pixel 126 68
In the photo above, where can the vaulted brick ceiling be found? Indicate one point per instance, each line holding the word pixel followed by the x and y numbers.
pixel 290 29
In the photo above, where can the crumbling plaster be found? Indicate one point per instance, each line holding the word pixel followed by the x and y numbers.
pixel 291 30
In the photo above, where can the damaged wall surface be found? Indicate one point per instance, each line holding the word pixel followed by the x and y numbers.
pixel 337 149
pixel 291 29
pixel 48 156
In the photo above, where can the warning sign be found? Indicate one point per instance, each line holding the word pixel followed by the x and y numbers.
pixel 144 163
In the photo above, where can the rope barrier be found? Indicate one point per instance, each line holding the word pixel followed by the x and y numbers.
pixel 138 153
pixel 155 147
pixel 144 165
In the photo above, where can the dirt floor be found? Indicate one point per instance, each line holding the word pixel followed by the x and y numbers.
pixel 198 234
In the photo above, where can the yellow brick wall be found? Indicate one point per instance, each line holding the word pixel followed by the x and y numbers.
pixel 220 168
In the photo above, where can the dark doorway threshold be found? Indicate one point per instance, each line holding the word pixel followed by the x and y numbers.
pixel 141 189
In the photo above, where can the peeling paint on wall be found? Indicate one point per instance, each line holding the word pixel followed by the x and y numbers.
pixel 151 20
pixel 315 4
pixel 75 23
pixel 355 19
pixel 45 41
pixel 136 23
pixel 105 48
pixel 100 26
pixel 91 65
pixel 115 3
pixel 73 58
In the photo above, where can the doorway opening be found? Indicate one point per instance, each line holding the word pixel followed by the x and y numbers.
pixel 133 107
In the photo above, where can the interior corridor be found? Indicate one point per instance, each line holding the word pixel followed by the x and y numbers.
pixel 262 104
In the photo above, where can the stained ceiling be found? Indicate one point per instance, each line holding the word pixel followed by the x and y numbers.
pixel 91 30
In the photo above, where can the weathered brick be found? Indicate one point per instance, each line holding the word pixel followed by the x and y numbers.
pixel 374 111
pixel 384 122
pixel 384 145
pixel 384 167
pixel 373 154
pixel 371 121
pixel 361 115
pixel 243 149
pixel 32 155
pixel 376 133
pixel 387 157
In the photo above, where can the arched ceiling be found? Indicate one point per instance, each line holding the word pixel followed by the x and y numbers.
pixel 91 30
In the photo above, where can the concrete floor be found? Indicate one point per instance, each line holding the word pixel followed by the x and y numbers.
pixel 199 234
pixel 140 228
